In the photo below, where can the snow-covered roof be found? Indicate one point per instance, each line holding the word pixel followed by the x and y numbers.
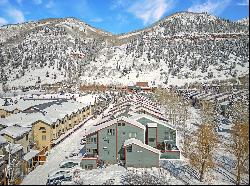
pixel 13 148
pixel 23 104
pixel 149 111
pixel 2 140
pixel 49 114
pixel 225 103
pixel 32 153
pixel 14 131
pixel 213 96
pixel 139 143
pixel 114 121
pixel 156 120
pixel 4 122
pixel 25 119
pixel 152 125
pixel 88 99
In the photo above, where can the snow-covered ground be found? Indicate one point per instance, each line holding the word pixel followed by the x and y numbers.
pixel 56 156
pixel 175 172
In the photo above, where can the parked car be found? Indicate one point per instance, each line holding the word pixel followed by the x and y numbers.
pixel 83 141
pixel 58 172
pixel 57 179
pixel 69 164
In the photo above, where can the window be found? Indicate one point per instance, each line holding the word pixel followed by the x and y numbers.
pixel 89 167
pixel 27 137
pixel 132 134
pixel 129 148
pixel 2 116
pixel 88 140
pixel 42 128
pixel 119 124
pixel 111 132
pixel 123 124
pixel 93 140
pixel 43 137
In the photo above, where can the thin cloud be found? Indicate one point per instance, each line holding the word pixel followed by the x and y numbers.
pixel 3 21
pixel 117 3
pixel 243 3
pixel 150 11
pixel 97 20
pixel 16 15
pixel 50 4
pixel 210 6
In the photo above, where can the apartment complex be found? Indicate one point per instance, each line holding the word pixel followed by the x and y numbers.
pixel 132 127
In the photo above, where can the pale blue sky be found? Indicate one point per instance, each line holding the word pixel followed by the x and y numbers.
pixel 116 16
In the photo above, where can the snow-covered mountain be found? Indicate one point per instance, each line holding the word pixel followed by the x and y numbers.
pixel 184 47
pixel 244 21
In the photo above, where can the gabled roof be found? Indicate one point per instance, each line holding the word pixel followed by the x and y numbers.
pixel 153 119
pixel 32 153
pixel 26 119
pixel 13 148
pixel 114 121
pixel 150 112
pixel 139 143
pixel 15 132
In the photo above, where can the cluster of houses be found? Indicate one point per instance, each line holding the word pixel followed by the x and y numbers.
pixel 130 88
pixel 222 100
pixel 29 128
pixel 132 131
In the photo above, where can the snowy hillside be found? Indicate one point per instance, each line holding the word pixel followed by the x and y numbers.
pixel 184 47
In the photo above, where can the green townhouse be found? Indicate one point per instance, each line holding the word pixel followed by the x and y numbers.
pixel 153 139
pixel 159 134
pixel 106 141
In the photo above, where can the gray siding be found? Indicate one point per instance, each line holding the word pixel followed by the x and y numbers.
pixel 126 132
pixel 87 163
pixel 165 133
pixel 107 145
pixel 141 158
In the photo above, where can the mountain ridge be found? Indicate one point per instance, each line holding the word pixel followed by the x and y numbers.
pixel 180 48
